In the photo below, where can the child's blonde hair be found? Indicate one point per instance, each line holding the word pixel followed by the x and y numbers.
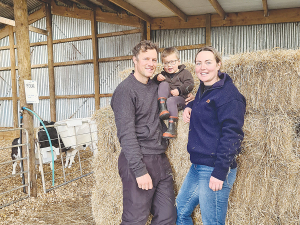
pixel 168 51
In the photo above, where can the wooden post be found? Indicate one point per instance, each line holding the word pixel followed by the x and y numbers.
pixel 148 31
pixel 95 60
pixel 208 29
pixel 13 75
pixel 50 63
pixel 23 47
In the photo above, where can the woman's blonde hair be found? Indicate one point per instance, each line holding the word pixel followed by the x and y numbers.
pixel 210 49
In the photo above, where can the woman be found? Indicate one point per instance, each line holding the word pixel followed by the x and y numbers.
pixel 216 119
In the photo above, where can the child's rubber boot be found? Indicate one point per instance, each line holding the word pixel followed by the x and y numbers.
pixel 172 130
pixel 163 111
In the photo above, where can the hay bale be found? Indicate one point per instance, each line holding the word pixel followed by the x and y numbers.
pixel 266 188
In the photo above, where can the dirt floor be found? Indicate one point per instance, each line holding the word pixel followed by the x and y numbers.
pixel 69 204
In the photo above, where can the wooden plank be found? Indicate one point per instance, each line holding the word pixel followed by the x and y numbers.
pixel 73 62
pixel 31 28
pixel 130 8
pixel 50 63
pixel 5 47
pixel 70 12
pixel 67 2
pixel 13 77
pixel 22 37
pixel 119 33
pixel 265 7
pixel 37 15
pixel 208 30
pixel 232 19
pixel 85 3
pixel 185 47
pixel 120 19
pixel 4 5
pixel 107 4
pixel 111 59
pixel 218 8
pixel 95 60
pixel 174 9
pixel 148 31
pixel 4 32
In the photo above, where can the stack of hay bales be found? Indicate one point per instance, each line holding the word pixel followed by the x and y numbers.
pixel 266 189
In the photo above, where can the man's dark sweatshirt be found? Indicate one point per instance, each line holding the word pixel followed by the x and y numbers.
pixel 139 128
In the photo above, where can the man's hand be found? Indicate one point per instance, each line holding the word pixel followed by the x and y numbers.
pixel 190 98
pixel 215 184
pixel 160 77
pixel 175 92
pixel 186 115
pixel 144 182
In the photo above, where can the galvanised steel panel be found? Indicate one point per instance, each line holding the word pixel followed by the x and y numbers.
pixel 109 28
pixel 105 102
pixel 74 80
pixel 109 74
pixel 233 40
pixel 179 37
pixel 117 45
pixel 38 55
pixel 4 58
pixel 41 76
pixel 74 108
pixel 5 84
pixel 73 51
pixel 66 27
pixel 6 115
pixel 43 111
pixel 36 37
pixel 4 41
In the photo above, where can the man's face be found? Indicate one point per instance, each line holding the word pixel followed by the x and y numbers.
pixel 145 64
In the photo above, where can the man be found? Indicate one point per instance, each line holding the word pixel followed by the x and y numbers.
pixel 143 166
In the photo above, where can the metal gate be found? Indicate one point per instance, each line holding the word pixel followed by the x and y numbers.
pixel 13 186
pixel 71 141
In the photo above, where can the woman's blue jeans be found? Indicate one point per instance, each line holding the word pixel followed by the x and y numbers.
pixel 195 190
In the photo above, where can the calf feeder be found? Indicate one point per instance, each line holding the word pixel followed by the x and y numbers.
pixel 24 108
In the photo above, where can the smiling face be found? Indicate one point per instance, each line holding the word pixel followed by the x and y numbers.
pixel 207 68
pixel 171 63
pixel 145 64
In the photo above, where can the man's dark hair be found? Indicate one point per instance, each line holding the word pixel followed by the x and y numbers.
pixel 144 46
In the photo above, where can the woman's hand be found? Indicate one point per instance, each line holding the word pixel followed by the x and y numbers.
pixel 215 184
pixel 190 98
pixel 186 114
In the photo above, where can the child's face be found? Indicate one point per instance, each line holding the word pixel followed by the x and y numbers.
pixel 171 63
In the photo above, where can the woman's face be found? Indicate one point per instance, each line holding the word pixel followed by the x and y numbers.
pixel 207 68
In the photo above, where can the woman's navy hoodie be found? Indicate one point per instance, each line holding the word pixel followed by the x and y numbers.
pixel 216 123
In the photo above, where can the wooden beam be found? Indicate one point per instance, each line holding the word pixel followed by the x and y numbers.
pixel 233 19
pixel 45 1
pixel 208 30
pixel 50 63
pixel 13 76
pixel 85 3
pixel 174 9
pixel 107 4
pixel 22 37
pixel 4 5
pixel 265 7
pixel 218 8
pixel 67 2
pixel 130 8
pixel 111 59
pixel 185 47
pixel 70 12
pixel 148 31
pixel 31 28
pixel 70 63
pixel 95 60
pixel 4 32
pixel 37 15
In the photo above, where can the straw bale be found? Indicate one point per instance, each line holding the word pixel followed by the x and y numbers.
pixel 266 188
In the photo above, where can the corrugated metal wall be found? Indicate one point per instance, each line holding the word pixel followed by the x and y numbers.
pixel 79 79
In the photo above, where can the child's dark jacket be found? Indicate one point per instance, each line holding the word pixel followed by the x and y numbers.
pixel 182 80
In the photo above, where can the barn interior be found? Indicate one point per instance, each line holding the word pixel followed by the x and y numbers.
pixel 75 49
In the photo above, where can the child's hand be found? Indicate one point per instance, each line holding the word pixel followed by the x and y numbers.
pixel 160 77
pixel 190 98
pixel 175 92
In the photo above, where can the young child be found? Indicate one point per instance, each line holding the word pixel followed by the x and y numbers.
pixel 175 83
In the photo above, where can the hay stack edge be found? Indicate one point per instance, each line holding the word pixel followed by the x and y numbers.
pixel 266 190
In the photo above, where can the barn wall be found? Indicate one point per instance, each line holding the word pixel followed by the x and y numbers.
pixel 78 79
pixel 232 40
